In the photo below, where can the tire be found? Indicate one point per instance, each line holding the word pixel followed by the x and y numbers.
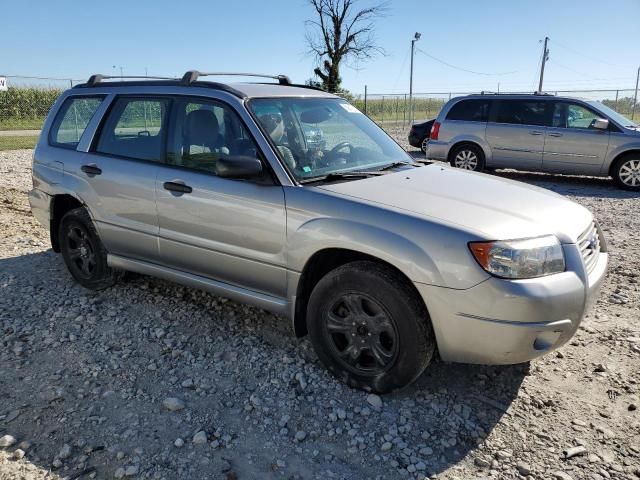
pixel 468 157
pixel 626 172
pixel 83 252
pixel 423 144
pixel 371 303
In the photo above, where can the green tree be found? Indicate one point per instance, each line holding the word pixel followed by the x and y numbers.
pixel 341 32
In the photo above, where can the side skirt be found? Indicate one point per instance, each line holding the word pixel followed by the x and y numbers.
pixel 277 305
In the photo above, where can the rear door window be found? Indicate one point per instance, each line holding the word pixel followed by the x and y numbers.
pixel 72 120
pixel 470 111
pixel 135 128
pixel 522 112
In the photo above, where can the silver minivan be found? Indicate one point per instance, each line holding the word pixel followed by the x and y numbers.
pixel 290 199
pixel 540 133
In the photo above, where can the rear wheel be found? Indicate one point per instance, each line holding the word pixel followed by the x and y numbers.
pixel 467 157
pixel 83 252
pixel 368 327
pixel 626 172
pixel 424 144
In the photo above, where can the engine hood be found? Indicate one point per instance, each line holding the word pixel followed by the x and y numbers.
pixel 492 208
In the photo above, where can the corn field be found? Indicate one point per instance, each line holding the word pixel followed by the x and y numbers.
pixel 25 108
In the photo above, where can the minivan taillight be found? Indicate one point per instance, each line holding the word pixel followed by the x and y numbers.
pixel 435 130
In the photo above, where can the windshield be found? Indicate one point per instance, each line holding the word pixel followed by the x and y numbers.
pixel 317 137
pixel 615 116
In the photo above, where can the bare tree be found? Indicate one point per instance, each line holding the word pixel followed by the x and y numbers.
pixel 341 32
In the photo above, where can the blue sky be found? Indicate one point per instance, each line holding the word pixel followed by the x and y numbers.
pixel 594 44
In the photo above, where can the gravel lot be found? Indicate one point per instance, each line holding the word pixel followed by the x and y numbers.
pixel 152 380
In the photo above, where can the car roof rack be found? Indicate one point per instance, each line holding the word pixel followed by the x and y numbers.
pixel 98 78
pixel 488 92
pixel 192 76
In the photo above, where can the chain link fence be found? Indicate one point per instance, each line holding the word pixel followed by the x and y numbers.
pixel 28 99
pixel 394 109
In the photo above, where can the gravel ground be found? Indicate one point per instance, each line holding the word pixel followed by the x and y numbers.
pixel 153 380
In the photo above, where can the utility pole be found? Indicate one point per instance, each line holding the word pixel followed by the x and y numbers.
pixel 545 57
pixel 416 37
pixel 635 97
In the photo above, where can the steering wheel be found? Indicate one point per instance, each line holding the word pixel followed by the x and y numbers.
pixel 334 151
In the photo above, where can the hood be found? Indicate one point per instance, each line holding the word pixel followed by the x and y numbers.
pixel 492 208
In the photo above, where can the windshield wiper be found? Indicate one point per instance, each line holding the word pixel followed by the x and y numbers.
pixel 397 164
pixel 342 175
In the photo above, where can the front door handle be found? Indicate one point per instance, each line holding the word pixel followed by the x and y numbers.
pixel 177 186
pixel 536 132
pixel 91 170
pixel 555 134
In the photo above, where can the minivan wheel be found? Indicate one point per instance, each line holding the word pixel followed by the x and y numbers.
pixel 467 157
pixel 626 172
pixel 424 144
pixel 368 328
pixel 83 252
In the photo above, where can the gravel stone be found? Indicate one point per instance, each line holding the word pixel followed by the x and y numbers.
pixel 7 441
pixel 173 404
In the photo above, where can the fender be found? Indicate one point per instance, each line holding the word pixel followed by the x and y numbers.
pixel 481 142
pixel 323 233
pixel 616 152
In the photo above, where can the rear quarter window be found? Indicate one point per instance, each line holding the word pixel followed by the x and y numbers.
pixel 470 111
pixel 72 120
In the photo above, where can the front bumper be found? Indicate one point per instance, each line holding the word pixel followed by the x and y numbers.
pixel 40 206
pixel 505 321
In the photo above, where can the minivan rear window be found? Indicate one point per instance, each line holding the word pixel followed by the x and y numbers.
pixel 470 110
pixel 72 120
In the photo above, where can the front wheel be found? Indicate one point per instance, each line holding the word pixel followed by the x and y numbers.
pixel 369 328
pixel 467 157
pixel 626 172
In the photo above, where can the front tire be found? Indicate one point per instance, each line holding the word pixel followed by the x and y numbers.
pixel 83 252
pixel 369 328
pixel 467 157
pixel 626 172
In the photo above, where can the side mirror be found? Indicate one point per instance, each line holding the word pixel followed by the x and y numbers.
pixel 601 123
pixel 238 167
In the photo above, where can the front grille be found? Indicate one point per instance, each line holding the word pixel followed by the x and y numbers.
pixel 589 245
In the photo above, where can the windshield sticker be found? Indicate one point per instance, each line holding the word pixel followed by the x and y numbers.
pixel 306 169
pixel 350 108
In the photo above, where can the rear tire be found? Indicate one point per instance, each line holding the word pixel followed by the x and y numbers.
pixel 83 252
pixel 424 143
pixel 467 157
pixel 626 172
pixel 369 328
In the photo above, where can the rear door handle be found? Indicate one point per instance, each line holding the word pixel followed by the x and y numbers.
pixel 91 170
pixel 177 186
pixel 555 134
pixel 536 132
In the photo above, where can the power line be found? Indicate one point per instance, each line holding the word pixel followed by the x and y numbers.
pixel 404 61
pixel 586 56
pixel 463 69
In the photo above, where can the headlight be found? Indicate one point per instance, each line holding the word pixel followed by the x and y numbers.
pixel 526 258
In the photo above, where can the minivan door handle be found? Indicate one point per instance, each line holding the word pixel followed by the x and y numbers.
pixel 536 132
pixel 91 170
pixel 177 186
pixel 555 134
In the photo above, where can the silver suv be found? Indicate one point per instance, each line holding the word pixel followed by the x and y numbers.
pixel 380 259
pixel 541 133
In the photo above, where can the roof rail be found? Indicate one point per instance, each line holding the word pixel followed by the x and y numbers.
pixel 98 78
pixel 192 75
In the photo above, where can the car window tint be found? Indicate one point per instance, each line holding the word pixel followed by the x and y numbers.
pixel 72 120
pixel 205 131
pixel 470 110
pixel 135 129
pixel 521 112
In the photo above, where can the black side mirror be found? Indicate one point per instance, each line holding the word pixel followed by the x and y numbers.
pixel 238 166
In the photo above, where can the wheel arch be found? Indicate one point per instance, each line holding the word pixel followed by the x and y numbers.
pixel 324 261
pixel 467 142
pixel 60 204
pixel 632 151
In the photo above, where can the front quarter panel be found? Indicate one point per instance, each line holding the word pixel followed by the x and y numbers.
pixel 425 251
pixel 619 143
